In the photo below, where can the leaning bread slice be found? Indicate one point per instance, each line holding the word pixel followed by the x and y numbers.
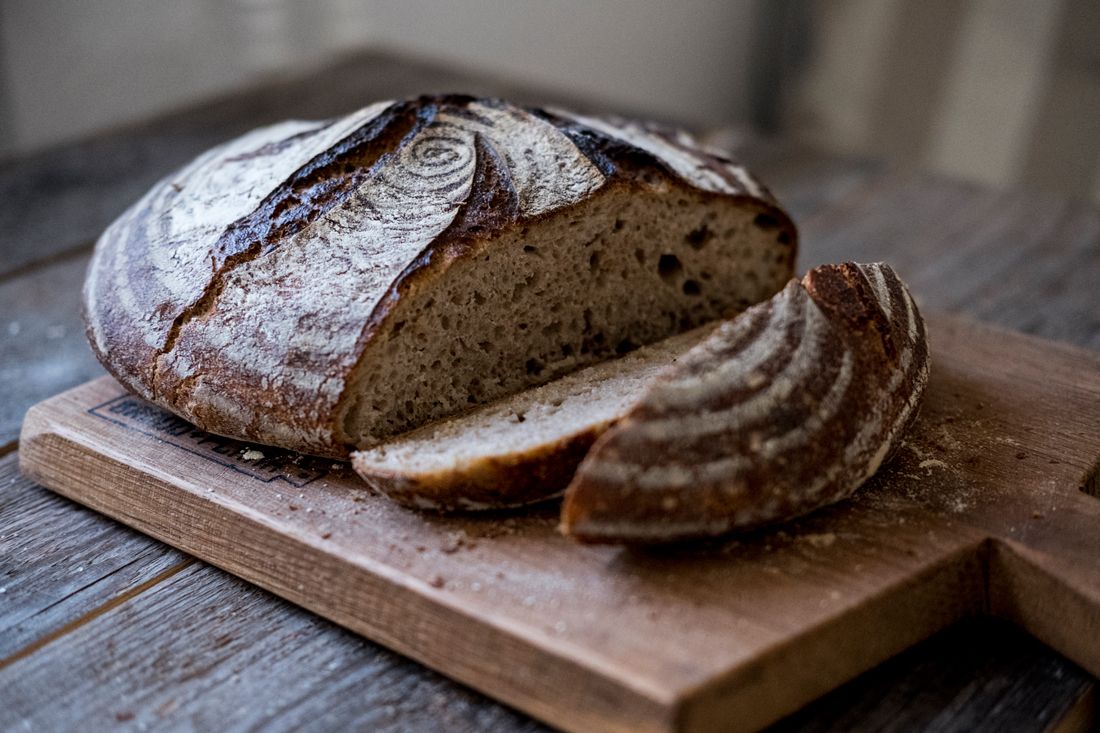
pixel 519 449
pixel 787 408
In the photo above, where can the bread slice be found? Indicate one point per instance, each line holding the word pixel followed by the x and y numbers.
pixel 320 285
pixel 519 449
pixel 789 407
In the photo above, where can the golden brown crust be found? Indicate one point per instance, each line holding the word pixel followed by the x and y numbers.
pixel 788 408
pixel 510 479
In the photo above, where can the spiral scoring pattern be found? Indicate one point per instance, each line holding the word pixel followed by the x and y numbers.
pixel 780 411
pixel 224 336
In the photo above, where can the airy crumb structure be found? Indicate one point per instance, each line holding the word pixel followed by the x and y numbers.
pixel 626 267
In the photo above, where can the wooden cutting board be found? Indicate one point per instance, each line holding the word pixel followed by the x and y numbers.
pixel 986 510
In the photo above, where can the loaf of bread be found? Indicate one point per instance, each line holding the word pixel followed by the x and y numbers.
pixel 789 407
pixel 519 449
pixel 324 285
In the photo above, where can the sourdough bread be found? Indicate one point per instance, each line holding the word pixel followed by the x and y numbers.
pixel 520 449
pixel 789 407
pixel 320 285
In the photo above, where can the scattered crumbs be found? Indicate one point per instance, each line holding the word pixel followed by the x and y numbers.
pixel 293 507
pixel 309 510
pixel 560 627
pixel 500 575
pixel 436 581
pixel 421 548
pixel 1020 455
pixel 819 539
pixel 123 716
pixel 333 665
pixel 3 590
pixel 959 506
pixel 454 541
pixel 326 535
pixel 80 569
pixel 252 455
pixel 301 587
pixel 931 463
pixel 1037 514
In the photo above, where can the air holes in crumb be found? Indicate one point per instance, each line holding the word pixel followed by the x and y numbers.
pixel 444 322
pixel 397 327
pixel 639 254
pixel 594 261
pixel 479 298
pixel 669 268
pixel 699 237
pixel 766 221
pixel 534 366
pixel 690 287
pixel 618 224
pixel 529 249
pixel 567 350
pixel 625 346
pixel 520 417
pixel 784 238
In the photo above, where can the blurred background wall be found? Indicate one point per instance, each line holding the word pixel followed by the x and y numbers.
pixel 1003 92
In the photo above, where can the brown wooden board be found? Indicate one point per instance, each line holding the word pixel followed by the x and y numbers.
pixel 982 512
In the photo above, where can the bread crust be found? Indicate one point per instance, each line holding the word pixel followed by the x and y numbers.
pixel 504 481
pixel 243 291
pixel 789 407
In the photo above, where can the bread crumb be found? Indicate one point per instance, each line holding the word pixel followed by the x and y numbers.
pixel 326 535
pixel 437 581
pixel 453 541
pixel 252 455
pixel 819 539
pixel 932 463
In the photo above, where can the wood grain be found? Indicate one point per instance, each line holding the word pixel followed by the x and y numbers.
pixel 208 664
pixel 654 640
pixel 61 561
pixel 58 201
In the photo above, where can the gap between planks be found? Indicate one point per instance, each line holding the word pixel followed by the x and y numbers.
pixel 64 255
pixel 96 612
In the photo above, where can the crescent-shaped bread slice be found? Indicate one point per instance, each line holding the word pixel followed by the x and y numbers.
pixel 787 408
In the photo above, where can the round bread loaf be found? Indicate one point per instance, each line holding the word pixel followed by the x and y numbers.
pixel 323 285
pixel 790 406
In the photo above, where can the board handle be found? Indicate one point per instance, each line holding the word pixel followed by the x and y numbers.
pixel 1049 581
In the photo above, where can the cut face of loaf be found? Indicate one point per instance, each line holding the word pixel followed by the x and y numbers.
pixel 628 266
pixel 320 285
pixel 520 449
pixel 789 407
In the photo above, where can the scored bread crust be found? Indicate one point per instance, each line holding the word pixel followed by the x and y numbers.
pixel 244 291
pixel 787 408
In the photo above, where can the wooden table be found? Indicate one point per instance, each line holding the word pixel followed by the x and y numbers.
pixel 118 629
